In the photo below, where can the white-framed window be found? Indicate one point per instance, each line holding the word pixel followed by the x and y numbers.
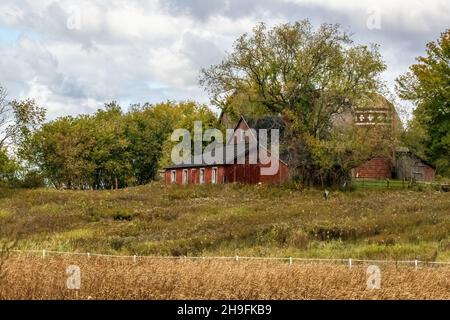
pixel 214 175
pixel 173 176
pixel 202 176
pixel 185 178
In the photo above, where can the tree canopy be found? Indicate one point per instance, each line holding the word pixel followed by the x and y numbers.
pixel 18 118
pixel 308 76
pixel 427 85
pixel 291 68
pixel 111 148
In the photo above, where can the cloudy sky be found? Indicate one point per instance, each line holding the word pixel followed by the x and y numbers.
pixel 74 55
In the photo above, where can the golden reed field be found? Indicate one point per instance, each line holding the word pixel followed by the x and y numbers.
pixel 31 277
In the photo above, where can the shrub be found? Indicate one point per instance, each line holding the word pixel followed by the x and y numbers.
pixel 299 239
pixel 32 180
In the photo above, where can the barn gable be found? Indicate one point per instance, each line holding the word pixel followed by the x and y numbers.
pixel 409 166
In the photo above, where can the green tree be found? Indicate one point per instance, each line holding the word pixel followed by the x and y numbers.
pixel 415 138
pixel 8 168
pixel 18 118
pixel 61 150
pixel 147 129
pixel 182 116
pixel 111 148
pixel 427 85
pixel 309 76
pixel 110 152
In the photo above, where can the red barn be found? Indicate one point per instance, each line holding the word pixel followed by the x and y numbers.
pixel 405 165
pixel 409 166
pixel 401 163
pixel 235 166
pixel 375 168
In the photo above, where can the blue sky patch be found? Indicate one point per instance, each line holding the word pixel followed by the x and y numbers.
pixel 9 36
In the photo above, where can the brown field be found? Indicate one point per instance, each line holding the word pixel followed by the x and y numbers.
pixel 229 220
pixel 31 277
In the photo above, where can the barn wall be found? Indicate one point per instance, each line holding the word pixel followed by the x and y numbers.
pixel 194 175
pixel 429 173
pixel 409 166
pixel 167 176
pixel 376 168
pixel 281 177
pixel 251 174
pixel 242 173
pixel 403 165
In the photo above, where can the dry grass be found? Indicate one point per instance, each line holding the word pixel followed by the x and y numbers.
pixel 231 220
pixel 224 221
pixel 30 277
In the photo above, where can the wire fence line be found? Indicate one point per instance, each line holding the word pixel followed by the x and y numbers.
pixel 366 183
pixel 45 253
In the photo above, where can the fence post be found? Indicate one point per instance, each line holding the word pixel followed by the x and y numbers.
pixel 43 254
pixel 350 263
pixel 88 255
pixel 290 261
pixel 237 258
pixel 416 264
pixel 134 258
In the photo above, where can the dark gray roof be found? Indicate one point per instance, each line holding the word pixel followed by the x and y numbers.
pixel 405 150
pixel 267 122
pixel 229 150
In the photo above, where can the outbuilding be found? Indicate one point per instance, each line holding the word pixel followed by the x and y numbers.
pixel 409 166
pixel 235 166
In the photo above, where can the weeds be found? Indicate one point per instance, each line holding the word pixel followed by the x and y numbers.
pixel 231 219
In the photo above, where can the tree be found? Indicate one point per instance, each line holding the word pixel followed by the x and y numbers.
pixel 18 118
pixel 415 138
pixel 8 168
pixel 61 150
pixel 147 130
pixel 309 76
pixel 427 85
pixel 111 148
pixel 110 153
pixel 183 116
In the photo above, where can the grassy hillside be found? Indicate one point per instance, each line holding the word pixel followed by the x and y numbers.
pixel 230 220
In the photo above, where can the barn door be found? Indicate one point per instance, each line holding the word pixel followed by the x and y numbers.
pixel 418 172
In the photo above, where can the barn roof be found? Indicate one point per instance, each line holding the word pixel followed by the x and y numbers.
pixel 406 150
pixel 230 152
pixel 266 122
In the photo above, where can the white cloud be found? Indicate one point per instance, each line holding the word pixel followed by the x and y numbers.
pixel 136 51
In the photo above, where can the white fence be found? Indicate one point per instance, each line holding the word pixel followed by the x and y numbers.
pixel 350 262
